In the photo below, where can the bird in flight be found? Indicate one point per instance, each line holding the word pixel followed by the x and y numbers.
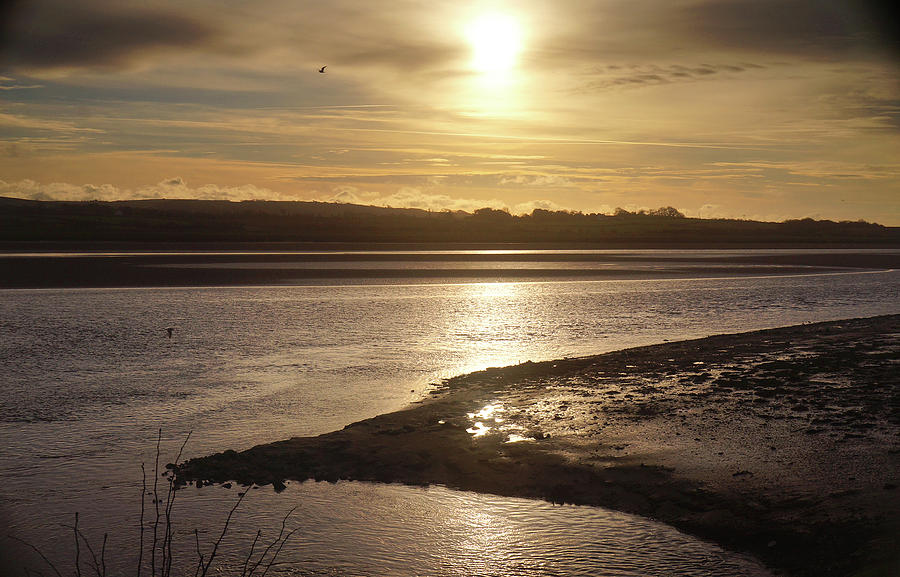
pixel 322 70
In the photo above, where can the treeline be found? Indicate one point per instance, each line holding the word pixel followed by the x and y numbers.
pixel 270 221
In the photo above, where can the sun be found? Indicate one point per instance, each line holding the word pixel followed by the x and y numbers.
pixel 496 40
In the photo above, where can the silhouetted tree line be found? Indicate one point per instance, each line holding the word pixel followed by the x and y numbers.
pixel 269 221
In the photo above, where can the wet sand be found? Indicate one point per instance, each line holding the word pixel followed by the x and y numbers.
pixel 782 443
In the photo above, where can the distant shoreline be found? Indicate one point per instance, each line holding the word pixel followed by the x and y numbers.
pixel 782 443
pixel 198 221
pixel 7 246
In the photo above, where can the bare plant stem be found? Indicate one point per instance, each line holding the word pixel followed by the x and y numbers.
pixel 39 552
pixel 77 549
pixel 277 551
pixel 140 563
pixel 183 445
pixel 250 554
pixel 156 505
pixel 167 534
pixel 170 502
pixel 222 536
pixel 163 549
pixel 199 554
pixel 90 549
pixel 103 554
pixel 273 543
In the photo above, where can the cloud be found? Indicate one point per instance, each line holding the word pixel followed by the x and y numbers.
pixel 168 188
pixel 27 122
pixel 351 195
pixel 575 36
pixel 822 172
pixel 530 206
pixel 57 191
pixel 177 188
pixel 7 83
pixel 60 34
pixel 637 75
pixel 402 56
pixel 177 182
pixel 406 37
pixel 418 41
pixel 411 197
pixel 710 210
pixel 810 28
pixel 545 180
pixel 873 101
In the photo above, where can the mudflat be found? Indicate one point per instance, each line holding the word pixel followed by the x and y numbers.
pixel 781 443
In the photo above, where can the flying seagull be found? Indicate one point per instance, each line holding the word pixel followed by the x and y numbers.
pixel 322 70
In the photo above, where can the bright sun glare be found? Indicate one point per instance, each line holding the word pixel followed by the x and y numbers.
pixel 496 41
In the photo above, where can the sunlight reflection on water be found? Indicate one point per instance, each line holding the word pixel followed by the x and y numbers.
pixel 89 376
pixel 404 531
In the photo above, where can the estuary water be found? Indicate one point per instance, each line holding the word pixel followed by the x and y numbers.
pixel 88 376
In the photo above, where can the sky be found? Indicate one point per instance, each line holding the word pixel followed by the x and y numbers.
pixel 760 109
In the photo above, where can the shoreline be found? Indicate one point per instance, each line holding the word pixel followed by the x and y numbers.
pixel 781 443
pixel 8 245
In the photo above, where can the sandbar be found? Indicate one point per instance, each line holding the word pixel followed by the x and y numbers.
pixel 783 443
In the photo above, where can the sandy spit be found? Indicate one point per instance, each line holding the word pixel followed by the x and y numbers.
pixel 782 443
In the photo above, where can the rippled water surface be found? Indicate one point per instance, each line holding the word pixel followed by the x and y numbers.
pixel 89 376
pixel 402 531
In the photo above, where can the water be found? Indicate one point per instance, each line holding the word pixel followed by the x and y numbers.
pixel 89 376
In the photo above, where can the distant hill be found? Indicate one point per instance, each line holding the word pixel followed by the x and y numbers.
pixel 183 221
